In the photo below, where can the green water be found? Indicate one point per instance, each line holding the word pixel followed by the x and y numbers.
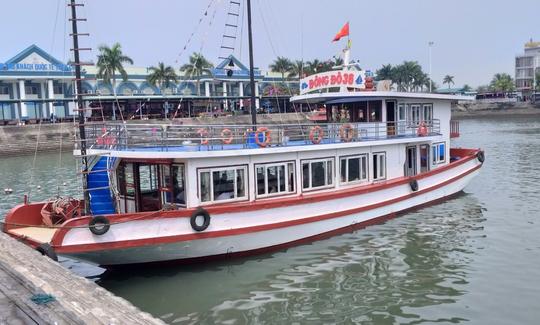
pixel 474 259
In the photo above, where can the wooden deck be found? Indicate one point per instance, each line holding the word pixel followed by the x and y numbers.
pixel 39 234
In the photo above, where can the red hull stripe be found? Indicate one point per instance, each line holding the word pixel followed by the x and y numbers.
pixel 468 155
pixel 234 232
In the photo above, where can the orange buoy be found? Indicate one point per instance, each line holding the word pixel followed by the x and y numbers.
pixel 316 134
pixel 227 136
pixel 266 132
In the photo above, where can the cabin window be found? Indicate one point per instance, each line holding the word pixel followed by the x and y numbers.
pixel 4 90
pixel 438 153
pixel 414 114
pixel 418 113
pixel 317 174
pixel 427 113
pixel 174 183
pixel 223 184
pixel 379 166
pixel 353 169
pixel 275 179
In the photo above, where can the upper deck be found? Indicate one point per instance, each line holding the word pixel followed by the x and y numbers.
pixel 172 140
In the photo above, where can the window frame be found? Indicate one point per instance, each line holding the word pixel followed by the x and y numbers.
pixel 347 158
pixel 435 157
pixel 211 170
pixel 311 161
pixel 287 184
pixel 376 154
pixel 168 187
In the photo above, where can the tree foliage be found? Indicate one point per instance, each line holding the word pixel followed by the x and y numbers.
pixel 448 79
pixel 407 76
pixel 198 65
pixel 502 82
pixel 111 60
pixel 162 75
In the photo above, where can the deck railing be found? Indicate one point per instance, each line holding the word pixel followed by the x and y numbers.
pixel 171 137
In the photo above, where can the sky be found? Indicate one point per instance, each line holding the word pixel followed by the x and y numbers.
pixel 473 39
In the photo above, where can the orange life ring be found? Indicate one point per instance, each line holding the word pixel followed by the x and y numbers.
pixel 203 133
pixel 422 130
pixel 320 134
pixel 267 138
pixel 227 136
pixel 346 132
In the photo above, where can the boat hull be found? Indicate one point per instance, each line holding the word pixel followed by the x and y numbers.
pixel 236 232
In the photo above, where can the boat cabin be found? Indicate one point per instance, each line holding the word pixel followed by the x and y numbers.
pixel 371 138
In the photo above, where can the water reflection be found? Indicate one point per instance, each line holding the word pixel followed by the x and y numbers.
pixel 383 274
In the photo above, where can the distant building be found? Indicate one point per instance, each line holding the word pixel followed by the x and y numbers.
pixel 527 67
pixel 34 85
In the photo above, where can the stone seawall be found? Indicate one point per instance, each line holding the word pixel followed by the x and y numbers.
pixel 477 109
pixel 21 140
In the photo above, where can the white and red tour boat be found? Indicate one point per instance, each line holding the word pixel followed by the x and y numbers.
pixel 171 192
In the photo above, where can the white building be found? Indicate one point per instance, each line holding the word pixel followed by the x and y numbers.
pixel 33 84
pixel 528 67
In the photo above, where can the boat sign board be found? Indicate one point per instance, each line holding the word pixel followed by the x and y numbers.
pixel 332 79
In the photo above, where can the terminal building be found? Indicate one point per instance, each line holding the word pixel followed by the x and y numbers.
pixel 528 68
pixel 36 86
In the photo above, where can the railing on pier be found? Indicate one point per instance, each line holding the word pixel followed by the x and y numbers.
pixel 454 129
pixel 171 137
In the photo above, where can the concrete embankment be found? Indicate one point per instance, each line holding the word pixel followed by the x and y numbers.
pixel 480 110
pixel 25 273
pixel 20 140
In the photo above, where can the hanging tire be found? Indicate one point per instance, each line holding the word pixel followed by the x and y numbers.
pixel 47 250
pixel 99 225
pixel 195 218
pixel 480 156
pixel 414 185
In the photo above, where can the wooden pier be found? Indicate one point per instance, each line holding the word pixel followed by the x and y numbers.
pixel 25 273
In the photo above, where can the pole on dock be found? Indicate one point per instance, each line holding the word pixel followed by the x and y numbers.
pixel 78 89
pixel 251 70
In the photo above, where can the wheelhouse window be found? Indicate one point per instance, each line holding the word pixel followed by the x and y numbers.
pixel 379 166
pixel 317 174
pixel 353 169
pixel 438 153
pixel 223 184
pixel 174 184
pixel 275 179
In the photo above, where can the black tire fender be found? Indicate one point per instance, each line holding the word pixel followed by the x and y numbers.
pixel 99 225
pixel 480 156
pixel 195 215
pixel 414 185
pixel 46 250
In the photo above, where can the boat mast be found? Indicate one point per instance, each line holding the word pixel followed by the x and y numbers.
pixel 78 91
pixel 251 70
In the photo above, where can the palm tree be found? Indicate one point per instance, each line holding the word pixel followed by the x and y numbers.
pixel 109 61
pixel 502 82
pixel 385 73
pixel 314 66
pixel 197 66
pixel 297 69
pixel 448 80
pixel 282 65
pixel 466 88
pixel 162 76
